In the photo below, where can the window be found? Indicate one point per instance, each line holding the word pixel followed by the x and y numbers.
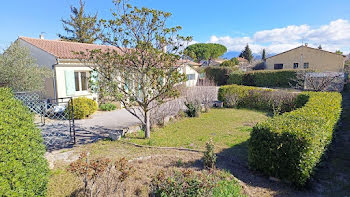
pixel 81 81
pixel 295 65
pixel 306 65
pixel 191 76
pixel 278 66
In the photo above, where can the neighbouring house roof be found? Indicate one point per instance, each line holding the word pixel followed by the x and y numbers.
pixel 241 59
pixel 64 49
pixel 305 47
pixel 188 62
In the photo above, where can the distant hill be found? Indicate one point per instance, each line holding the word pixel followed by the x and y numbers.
pixel 232 54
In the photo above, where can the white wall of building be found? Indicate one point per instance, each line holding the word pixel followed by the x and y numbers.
pixel 191 74
pixel 61 81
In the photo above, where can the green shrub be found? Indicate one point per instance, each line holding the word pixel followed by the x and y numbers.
pixel 265 78
pixel 258 98
pixel 289 146
pixel 108 107
pixel 176 183
pixel 219 75
pixel 229 63
pixel 227 188
pixel 83 107
pixel 23 167
pixel 209 158
pixel 193 108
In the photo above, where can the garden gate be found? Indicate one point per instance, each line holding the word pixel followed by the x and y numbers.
pixel 54 116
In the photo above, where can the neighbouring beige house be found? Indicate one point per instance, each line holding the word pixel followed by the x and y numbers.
pixel 70 77
pixel 304 57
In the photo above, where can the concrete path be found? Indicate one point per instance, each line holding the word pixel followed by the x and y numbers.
pixel 117 119
pixel 57 135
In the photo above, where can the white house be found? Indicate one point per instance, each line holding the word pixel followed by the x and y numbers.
pixel 70 77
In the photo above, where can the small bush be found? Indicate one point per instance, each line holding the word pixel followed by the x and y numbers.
pixel 209 158
pixel 176 183
pixel 290 146
pixel 265 78
pixel 83 107
pixel 108 107
pixel 193 108
pixel 23 167
pixel 100 177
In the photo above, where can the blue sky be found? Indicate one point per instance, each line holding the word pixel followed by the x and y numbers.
pixel 272 24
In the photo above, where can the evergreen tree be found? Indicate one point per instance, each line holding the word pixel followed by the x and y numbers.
pixel 247 54
pixel 263 55
pixel 319 47
pixel 80 27
pixel 339 52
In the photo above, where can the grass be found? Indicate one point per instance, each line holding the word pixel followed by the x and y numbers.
pixel 227 128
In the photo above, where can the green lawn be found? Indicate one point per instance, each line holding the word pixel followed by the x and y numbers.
pixel 227 128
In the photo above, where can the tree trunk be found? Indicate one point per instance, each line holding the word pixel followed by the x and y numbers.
pixel 147 125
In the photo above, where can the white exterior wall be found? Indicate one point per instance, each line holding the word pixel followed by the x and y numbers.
pixel 61 81
pixel 188 70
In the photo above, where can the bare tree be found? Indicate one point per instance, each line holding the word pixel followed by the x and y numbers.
pixel 137 66
pixel 319 82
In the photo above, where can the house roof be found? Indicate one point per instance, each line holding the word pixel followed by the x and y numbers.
pixel 188 62
pixel 64 49
pixel 241 59
pixel 305 47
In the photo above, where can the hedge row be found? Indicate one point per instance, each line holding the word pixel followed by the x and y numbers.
pixel 264 78
pixel 219 75
pixel 23 167
pixel 289 146
pixel 259 98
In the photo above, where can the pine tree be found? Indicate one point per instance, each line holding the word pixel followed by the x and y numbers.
pixel 247 53
pixel 319 47
pixel 263 55
pixel 80 27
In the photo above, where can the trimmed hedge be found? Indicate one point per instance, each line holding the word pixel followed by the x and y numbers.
pixel 23 167
pixel 83 107
pixel 264 78
pixel 289 146
pixel 259 98
pixel 219 75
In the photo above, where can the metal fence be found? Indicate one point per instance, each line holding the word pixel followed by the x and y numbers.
pixel 48 114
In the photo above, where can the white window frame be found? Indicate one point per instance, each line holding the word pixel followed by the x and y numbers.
pixel 80 91
pixel 192 74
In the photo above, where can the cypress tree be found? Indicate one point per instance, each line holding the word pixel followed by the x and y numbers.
pixel 263 55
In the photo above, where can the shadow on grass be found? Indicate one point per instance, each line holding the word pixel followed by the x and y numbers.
pixel 235 161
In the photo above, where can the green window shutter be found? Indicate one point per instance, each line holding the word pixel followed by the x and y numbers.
pixel 93 81
pixel 70 82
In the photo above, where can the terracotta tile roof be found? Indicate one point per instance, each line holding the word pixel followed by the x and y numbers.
pixel 64 49
pixel 188 62
pixel 241 59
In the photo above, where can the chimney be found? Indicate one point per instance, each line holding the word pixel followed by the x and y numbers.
pixel 41 36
